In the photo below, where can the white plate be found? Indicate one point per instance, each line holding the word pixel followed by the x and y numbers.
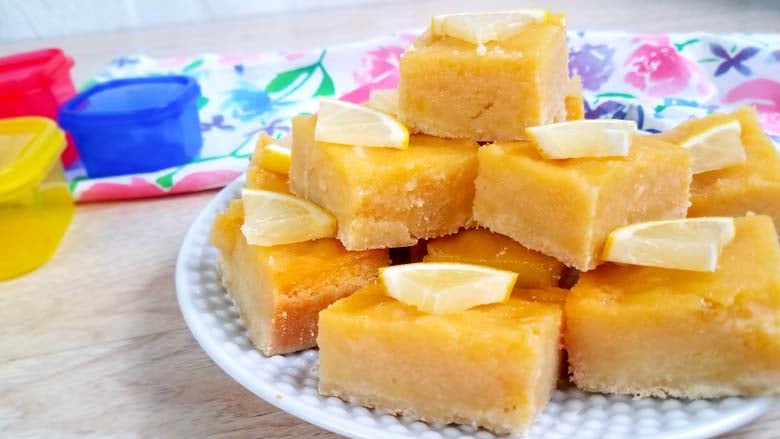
pixel 290 381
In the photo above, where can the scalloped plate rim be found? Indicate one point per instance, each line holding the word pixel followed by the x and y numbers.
pixel 753 408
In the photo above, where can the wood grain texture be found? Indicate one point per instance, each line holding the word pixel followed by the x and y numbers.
pixel 93 344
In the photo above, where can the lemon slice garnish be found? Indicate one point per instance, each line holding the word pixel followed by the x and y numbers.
pixel 480 28
pixel 385 101
pixel 353 124
pixel 717 147
pixel 442 288
pixel 276 157
pixel 273 218
pixel 583 138
pixel 686 244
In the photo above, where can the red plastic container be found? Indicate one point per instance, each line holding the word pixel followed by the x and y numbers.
pixel 35 84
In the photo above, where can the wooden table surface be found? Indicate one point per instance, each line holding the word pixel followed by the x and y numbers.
pixel 93 344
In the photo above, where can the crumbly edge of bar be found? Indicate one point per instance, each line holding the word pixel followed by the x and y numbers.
pixel 368 402
pixel 701 391
pixel 267 349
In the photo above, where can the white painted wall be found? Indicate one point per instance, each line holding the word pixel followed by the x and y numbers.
pixel 26 19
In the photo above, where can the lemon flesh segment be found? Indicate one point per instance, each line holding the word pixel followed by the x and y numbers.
pixel 687 244
pixel 443 288
pixel 352 124
pixel 717 147
pixel 276 157
pixel 273 218
pixel 583 138
pixel 385 101
pixel 480 28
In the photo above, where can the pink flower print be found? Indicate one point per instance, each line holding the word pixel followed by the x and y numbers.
pixel 361 94
pixel 293 55
pixel 200 181
pixel 174 62
pixel 408 37
pixel 378 64
pixel 240 59
pixel 137 188
pixel 771 122
pixel 658 69
pixel 764 95
pixel 380 70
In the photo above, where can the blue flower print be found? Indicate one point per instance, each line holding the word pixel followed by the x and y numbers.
pixel 735 61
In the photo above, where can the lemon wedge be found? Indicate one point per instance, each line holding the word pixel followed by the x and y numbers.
pixel 385 101
pixel 352 124
pixel 276 157
pixel 583 138
pixel 687 244
pixel 480 28
pixel 717 147
pixel 273 218
pixel 443 288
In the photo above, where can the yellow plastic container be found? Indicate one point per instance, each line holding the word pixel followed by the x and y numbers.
pixel 35 202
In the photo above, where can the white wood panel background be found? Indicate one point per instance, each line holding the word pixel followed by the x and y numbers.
pixel 28 19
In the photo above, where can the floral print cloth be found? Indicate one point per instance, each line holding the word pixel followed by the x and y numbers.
pixel 656 80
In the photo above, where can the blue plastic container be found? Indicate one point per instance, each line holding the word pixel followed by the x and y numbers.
pixel 131 126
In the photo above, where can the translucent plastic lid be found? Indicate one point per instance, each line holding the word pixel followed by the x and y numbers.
pixel 134 99
pixel 28 148
pixel 31 70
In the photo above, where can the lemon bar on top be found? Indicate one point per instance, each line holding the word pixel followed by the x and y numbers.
pixel 453 88
pixel 386 197
pixel 566 208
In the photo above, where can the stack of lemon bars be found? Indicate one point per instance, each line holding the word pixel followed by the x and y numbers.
pixel 458 247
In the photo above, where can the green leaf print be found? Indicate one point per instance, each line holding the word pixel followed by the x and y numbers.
pixel 75 182
pixel 166 181
pixel 612 95
pixel 87 85
pixel 616 95
pixel 326 87
pixel 193 65
pixel 285 79
pixel 681 46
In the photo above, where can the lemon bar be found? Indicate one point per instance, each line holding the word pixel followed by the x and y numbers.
pixel 448 88
pixel 574 102
pixel 493 366
pixel 482 247
pixel 386 197
pixel 280 290
pixel 661 332
pixel 259 178
pixel 566 208
pixel 753 186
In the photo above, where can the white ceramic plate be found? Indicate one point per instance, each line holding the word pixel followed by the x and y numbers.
pixel 290 381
